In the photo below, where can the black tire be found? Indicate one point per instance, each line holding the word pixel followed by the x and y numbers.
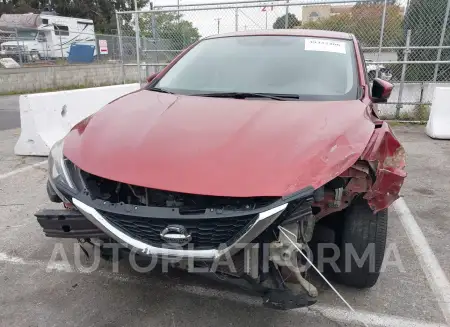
pixel 52 194
pixel 362 228
pixel 34 56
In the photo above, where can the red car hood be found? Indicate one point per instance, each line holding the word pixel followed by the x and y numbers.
pixel 224 147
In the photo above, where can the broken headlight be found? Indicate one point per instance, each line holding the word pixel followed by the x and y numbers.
pixel 58 173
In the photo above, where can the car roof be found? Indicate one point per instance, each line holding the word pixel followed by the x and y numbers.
pixel 288 32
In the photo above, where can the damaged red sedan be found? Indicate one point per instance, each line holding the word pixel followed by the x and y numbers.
pixel 266 140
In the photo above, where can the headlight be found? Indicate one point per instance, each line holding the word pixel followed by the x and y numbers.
pixel 57 169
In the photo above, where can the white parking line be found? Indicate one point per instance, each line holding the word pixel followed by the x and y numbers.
pixel 336 314
pixel 333 313
pixel 23 169
pixel 430 265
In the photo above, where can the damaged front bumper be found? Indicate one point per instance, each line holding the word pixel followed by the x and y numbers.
pixel 98 219
pixel 264 220
pixel 92 220
pixel 63 223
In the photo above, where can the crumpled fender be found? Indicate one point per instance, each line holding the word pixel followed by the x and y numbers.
pixel 387 158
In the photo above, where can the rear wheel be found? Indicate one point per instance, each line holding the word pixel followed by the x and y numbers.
pixel 362 243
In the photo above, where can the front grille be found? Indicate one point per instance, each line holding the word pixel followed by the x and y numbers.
pixel 206 233
pixel 10 47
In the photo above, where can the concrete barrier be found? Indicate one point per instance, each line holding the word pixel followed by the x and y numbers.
pixel 47 117
pixel 438 125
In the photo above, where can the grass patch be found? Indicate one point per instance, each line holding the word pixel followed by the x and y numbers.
pixel 420 113
pixel 393 123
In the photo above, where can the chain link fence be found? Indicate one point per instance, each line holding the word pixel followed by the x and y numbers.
pixel 34 48
pixel 405 41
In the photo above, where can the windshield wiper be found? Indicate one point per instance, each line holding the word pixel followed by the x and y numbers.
pixel 157 89
pixel 243 95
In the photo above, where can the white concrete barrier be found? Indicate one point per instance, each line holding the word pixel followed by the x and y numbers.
pixel 47 117
pixel 438 126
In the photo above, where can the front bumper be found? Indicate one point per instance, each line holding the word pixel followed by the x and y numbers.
pixel 67 224
pixel 264 220
pixel 13 53
pixel 89 222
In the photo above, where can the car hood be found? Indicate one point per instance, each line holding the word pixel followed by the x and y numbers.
pixel 216 146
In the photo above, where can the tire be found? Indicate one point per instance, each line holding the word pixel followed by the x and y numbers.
pixel 372 74
pixel 364 230
pixel 34 56
pixel 52 194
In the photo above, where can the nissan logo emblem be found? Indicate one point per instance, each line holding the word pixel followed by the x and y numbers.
pixel 176 235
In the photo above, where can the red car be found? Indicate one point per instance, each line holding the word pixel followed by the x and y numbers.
pixel 266 140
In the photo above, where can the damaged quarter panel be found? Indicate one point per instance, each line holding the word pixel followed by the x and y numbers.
pixel 388 159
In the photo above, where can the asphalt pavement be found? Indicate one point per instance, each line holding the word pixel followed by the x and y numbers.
pixel 9 112
pixel 36 291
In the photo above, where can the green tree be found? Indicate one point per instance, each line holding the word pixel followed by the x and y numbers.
pixel 377 2
pixel 280 23
pixel 425 19
pixel 15 7
pixel 169 26
pixel 364 21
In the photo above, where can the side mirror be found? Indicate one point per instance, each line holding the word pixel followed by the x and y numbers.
pixel 381 90
pixel 151 77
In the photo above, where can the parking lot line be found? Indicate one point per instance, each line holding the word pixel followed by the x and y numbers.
pixel 337 314
pixel 21 170
pixel 430 265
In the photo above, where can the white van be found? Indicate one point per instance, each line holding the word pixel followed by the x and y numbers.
pixel 46 35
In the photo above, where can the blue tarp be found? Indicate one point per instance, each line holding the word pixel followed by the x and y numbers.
pixel 81 53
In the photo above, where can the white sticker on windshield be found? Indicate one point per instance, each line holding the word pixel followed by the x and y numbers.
pixel 325 45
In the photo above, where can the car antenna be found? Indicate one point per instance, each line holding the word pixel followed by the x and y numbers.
pixel 285 231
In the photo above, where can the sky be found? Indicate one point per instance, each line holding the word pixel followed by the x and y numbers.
pixel 247 18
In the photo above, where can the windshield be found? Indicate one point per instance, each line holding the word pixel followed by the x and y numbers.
pixel 312 68
pixel 26 34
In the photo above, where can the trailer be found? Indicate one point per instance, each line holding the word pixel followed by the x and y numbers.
pixel 44 36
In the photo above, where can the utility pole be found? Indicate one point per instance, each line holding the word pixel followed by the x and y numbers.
pixel 441 42
pixel 383 22
pixel 286 17
pixel 218 25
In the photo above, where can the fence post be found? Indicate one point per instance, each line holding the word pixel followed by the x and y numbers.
pixel 138 40
pixel 402 79
pixel 18 48
pixel 380 45
pixel 441 42
pixel 60 40
pixel 119 33
pixel 156 37
pixel 236 20
pixel 286 17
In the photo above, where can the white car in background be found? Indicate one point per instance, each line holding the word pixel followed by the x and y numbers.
pixel 384 73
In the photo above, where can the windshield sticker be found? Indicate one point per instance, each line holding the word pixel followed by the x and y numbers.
pixel 325 45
